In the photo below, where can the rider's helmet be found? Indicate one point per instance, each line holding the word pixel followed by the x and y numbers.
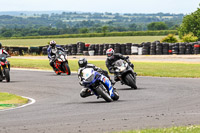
pixel 52 44
pixel 0 45
pixel 82 62
pixel 110 53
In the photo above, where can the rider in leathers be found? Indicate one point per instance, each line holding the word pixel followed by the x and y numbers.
pixel 3 51
pixel 51 55
pixel 113 57
pixel 84 64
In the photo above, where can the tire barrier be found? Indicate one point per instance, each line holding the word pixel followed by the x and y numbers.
pixel 153 48
pixel 159 48
pixel 196 48
pixel 80 48
pixel 145 48
pixel 175 48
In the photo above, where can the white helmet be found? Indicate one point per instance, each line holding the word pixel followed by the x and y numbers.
pixel 110 53
pixel 52 43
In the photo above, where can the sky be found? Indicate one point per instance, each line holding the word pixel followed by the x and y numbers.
pixel 113 6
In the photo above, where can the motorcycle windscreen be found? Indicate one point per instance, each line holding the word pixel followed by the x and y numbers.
pixel 88 74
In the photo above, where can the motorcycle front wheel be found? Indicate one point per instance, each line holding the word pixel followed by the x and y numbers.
pixel 7 74
pixel 67 69
pixel 101 91
pixel 131 81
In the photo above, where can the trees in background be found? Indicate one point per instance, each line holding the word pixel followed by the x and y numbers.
pixel 191 24
pixel 157 26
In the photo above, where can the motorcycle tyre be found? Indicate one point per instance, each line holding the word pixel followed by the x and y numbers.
pixel 131 81
pixel 7 74
pixel 67 69
pixel 116 96
pixel 100 91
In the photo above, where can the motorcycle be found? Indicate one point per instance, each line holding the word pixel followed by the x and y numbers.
pixel 125 73
pixel 61 62
pixel 5 70
pixel 99 84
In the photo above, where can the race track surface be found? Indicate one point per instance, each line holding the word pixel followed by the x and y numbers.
pixel 158 102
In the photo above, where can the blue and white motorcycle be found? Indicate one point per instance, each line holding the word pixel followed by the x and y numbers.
pixel 98 84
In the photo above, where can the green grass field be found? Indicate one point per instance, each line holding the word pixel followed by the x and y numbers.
pixel 163 69
pixel 91 40
pixel 189 129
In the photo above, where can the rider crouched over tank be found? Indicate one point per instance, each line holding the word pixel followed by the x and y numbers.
pixel 113 57
pixel 51 55
pixel 87 91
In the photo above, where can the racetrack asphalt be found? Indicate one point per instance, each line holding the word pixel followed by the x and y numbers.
pixel 158 102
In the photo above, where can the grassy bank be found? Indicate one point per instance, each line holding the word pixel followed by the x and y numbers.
pixel 10 100
pixel 164 69
pixel 92 40
pixel 190 129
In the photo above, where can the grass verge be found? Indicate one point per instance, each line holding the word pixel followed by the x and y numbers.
pixel 159 69
pixel 10 100
pixel 189 129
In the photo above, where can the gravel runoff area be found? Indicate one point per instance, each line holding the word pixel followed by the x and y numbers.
pixel 157 58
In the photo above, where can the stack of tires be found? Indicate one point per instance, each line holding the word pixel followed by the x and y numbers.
pixel 34 50
pixel 111 46
pixel 96 49
pixel 128 48
pixel 80 48
pixel 188 48
pixel 105 47
pixel 24 50
pixel 123 49
pixel 69 49
pixel 74 49
pixel 85 52
pixel 146 48
pixel 182 48
pixel 165 48
pixel 117 48
pixel 44 50
pixel 196 48
pixel 175 48
pixel 153 48
pixel 159 48
pixel 170 48
pixel 101 48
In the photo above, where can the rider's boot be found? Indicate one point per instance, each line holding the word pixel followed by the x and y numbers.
pixel 85 92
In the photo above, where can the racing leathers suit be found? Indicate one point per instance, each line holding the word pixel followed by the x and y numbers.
pixel 85 91
pixel 110 61
pixel 51 55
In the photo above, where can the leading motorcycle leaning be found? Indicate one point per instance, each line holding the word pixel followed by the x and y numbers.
pixel 61 62
pixel 4 68
pixel 97 84
pixel 124 72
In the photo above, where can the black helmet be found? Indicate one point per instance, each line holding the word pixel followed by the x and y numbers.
pixel 0 45
pixel 82 62
pixel 52 44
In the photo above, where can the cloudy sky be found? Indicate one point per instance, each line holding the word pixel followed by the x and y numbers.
pixel 114 6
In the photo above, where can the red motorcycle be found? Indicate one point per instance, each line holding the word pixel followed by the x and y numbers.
pixel 61 62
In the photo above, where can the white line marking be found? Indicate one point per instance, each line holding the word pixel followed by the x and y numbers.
pixel 32 101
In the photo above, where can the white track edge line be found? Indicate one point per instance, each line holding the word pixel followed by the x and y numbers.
pixel 29 103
